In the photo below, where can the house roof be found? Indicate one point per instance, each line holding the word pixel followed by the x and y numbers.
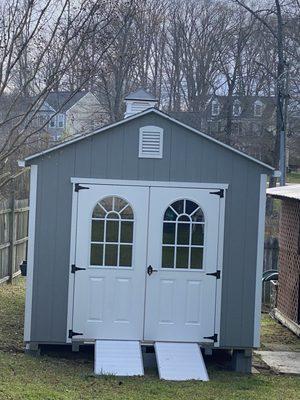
pixel 141 94
pixel 138 115
pixel 191 118
pixel 197 119
pixel 285 192
pixel 63 101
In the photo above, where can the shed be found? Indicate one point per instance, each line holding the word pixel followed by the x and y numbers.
pixel 146 231
pixel 288 295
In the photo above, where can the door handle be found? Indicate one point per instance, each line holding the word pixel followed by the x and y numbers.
pixel 150 270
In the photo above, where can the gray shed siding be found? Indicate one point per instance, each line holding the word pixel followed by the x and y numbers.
pixel 113 154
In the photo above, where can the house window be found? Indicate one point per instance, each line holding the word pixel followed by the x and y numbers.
pixel 236 127
pixel 41 119
pixel 215 108
pixel 61 120
pixel 258 108
pixel 112 233
pixel 151 142
pixel 183 236
pixel 236 108
pixel 52 122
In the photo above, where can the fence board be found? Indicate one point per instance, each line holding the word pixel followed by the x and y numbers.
pixel 13 237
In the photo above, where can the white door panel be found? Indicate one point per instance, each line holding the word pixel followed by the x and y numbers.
pixel 115 298
pixel 180 302
pixel 106 294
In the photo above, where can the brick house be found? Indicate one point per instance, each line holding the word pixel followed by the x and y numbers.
pixel 253 125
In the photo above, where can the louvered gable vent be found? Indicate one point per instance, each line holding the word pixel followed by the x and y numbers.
pixel 151 142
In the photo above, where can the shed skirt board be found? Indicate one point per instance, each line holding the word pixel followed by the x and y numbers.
pixel 118 357
pixel 152 299
pixel 180 361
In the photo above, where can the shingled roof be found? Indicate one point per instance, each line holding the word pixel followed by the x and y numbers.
pixel 140 94
pixel 63 101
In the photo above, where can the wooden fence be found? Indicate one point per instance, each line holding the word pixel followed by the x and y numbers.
pixel 271 252
pixel 13 237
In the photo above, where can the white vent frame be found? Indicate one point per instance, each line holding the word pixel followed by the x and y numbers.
pixel 154 131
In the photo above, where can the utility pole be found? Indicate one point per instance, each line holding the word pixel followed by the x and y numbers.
pixel 284 125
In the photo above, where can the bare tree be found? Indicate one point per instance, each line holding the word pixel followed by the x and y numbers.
pixel 237 29
pixel 276 28
pixel 39 43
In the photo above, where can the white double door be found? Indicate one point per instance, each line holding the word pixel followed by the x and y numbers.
pixel 145 254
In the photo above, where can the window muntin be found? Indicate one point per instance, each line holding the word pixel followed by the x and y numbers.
pixel 183 236
pixel 112 233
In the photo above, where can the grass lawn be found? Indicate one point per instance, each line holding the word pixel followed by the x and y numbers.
pixel 61 376
pixel 293 177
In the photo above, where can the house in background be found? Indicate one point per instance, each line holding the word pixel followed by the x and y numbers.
pixel 253 123
pixel 72 114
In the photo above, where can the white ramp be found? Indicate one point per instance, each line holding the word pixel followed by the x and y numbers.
pixel 180 361
pixel 118 357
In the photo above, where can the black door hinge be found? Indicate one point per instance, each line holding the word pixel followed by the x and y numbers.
pixel 79 187
pixel 218 193
pixel 72 333
pixel 74 269
pixel 217 274
pixel 213 337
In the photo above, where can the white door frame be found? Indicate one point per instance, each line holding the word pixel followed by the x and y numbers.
pixel 117 182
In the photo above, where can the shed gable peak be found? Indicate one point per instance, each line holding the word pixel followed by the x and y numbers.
pixel 139 115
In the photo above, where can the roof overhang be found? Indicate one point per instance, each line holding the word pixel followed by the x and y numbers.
pixel 141 114
pixel 285 192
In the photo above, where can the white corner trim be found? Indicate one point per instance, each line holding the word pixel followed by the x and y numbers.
pixel 220 260
pixel 30 256
pixel 120 182
pixel 72 261
pixel 259 259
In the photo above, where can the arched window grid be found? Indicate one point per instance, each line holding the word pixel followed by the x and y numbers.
pixel 112 230
pixel 183 236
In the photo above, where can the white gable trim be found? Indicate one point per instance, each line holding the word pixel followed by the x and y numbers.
pixel 148 111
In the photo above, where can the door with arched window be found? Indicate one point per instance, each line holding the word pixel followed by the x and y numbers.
pixel 182 254
pixel 110 259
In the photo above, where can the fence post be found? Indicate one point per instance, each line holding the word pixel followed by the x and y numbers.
pixel 11 249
